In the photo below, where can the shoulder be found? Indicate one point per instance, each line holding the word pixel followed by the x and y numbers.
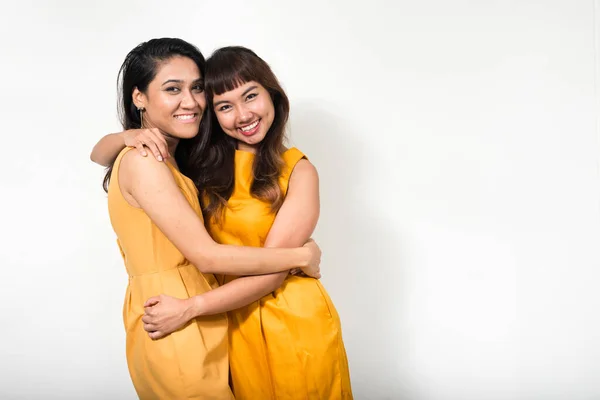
pixel 304 167
pixel 292 156
pixel 296 159
pixel 135 166
pixel 304 171
pixel 297 165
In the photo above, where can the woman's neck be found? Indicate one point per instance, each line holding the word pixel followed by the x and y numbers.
pixel 172 143
pixel 246 147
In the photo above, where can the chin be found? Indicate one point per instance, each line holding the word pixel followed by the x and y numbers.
pixel 256 139
pixel 187 134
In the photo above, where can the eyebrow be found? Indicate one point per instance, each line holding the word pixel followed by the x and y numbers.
pixel 248 90
pixel 180 81
pixel 251 88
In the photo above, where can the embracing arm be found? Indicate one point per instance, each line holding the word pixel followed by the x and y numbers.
pixel 295 222
pixel 153 187
pixel 109 147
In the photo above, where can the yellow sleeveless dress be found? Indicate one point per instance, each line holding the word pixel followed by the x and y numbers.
pixel 288 345
pixel 191 363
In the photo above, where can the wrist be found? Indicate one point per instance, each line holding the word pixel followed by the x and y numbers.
pixel 306 256
pixel 121 136
pixel 195 307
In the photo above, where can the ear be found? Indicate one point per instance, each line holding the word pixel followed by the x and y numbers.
pixel 139 99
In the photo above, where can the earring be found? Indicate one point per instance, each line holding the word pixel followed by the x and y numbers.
pixel 141 110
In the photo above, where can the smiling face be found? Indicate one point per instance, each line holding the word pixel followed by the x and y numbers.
pixel 174 101
pixel 245 113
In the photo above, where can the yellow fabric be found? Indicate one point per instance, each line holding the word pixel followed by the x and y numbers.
pixel 289 344
pixel 191 363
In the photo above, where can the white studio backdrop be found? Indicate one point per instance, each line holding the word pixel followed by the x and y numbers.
pixel 457 144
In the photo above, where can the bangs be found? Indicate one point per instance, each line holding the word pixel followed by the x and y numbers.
pixel 225 72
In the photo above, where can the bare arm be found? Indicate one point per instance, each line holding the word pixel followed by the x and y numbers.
pixel 152 185
pixel 109 147
pixel 293 226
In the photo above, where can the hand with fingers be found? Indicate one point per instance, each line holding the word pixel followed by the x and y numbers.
pixel 313 268
pixel 150 138
pixel 165 314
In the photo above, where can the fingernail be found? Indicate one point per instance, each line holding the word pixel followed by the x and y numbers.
pixel 159 158
pixel 144 154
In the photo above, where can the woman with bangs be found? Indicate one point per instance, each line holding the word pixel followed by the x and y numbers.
pixel 287 344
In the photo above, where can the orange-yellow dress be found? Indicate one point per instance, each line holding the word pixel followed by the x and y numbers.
pixel 191 363
pixel 288 345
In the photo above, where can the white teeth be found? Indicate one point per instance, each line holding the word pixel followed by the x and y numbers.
pixel 249 127
pixel 189 116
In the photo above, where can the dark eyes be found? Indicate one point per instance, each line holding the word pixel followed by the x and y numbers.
pixel 227 106
pixel 175 89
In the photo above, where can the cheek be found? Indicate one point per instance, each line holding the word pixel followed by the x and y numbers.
pixel 267 112
pixel 226 122
pixel 267 108
pixel 167 104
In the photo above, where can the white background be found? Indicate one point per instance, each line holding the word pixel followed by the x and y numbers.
pixel 457 143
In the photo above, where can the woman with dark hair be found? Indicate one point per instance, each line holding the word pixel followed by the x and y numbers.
pixel 287 345
pixel 155 212
pixel 255 192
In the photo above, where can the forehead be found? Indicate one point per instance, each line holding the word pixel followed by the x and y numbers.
pixel 178 68
pixel 240 89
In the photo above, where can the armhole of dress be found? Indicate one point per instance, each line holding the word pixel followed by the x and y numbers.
pixel 297 156
pixel 114 180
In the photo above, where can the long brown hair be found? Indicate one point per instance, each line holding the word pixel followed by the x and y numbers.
pixel 227 69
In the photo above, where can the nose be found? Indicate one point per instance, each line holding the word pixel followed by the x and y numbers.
pixel 244 115
pixel 188 100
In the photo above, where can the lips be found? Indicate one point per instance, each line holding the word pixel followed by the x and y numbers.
pixel 250 129
pixel 187 118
